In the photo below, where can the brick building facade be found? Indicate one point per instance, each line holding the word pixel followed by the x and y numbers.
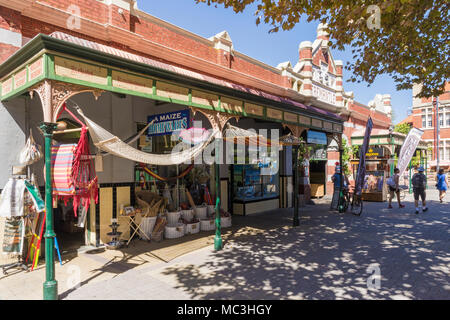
pixel 316 79
pixel 424 117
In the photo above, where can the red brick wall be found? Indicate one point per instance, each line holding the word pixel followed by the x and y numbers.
pixel 10 19
pixel 99 12
pixel 6 51
pixel 319 56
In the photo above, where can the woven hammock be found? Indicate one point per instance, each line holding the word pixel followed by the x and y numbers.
pixel 108 142
pixel 156 176
pixel 73 171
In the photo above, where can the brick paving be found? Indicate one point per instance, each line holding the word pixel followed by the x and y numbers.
pixel 326 257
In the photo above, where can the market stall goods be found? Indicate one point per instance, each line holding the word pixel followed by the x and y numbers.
pixel 174 231
pixel 173 217
pixel 193 227
pixel 147 225
pixel 207 225
pixel 158 230
pixel 211 209
pixel 191 201
pixel 151 203
pixel 187 215
pixel 225 222
pixel 201 212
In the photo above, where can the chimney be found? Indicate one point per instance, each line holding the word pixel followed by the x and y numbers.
pixel 322 32
pixel 305 57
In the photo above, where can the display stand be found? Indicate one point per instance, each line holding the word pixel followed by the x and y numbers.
pixel 132 223
pixel 115 243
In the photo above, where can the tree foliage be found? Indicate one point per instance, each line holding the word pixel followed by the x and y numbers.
pixel 411 44
pixel 402 128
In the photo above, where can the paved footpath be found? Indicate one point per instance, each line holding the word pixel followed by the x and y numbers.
pixel 329 256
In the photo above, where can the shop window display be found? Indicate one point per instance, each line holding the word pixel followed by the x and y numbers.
pixel 251 183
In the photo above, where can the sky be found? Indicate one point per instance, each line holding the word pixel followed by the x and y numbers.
pixel 272 49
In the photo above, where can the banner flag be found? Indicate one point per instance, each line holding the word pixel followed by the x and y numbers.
pixel 408 149
pixel 360 176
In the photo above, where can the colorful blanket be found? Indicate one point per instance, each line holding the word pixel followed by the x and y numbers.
pixel 62 162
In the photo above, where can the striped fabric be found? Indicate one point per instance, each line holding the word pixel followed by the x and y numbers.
pixel 62 159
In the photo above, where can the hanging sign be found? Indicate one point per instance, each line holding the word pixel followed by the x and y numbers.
pixel 408 149
pixel 316 137
pixel 362 160
pixel 375 152
pixel 167 123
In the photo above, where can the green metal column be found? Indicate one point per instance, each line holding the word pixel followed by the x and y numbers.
pixel 410 187
pixel 50 284
pixel 296 221
pixel 426 168
pixel 218 237
pixel 341 184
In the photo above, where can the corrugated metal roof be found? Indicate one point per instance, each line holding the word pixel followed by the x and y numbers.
pixel 185 72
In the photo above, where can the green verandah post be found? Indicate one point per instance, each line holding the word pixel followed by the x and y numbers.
pixel 296 221
pixel 50 285
pixel 218 237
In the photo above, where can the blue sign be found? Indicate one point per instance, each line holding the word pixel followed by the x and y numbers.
pixel 316 137
pixel 167 123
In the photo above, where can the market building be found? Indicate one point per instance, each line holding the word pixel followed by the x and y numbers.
pixel 123 67
pixel 318 75
pixel 424 116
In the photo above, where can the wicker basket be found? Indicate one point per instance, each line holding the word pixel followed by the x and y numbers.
pixel 201 212
pixel 147 225
pixel 187 215
pixel 157 236
pixel 192 228
pixel 174 231
pixel 173 217
pixel 211 209
pixel 207 225
pixel 225 222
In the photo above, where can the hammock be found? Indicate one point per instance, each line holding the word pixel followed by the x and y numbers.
pixel 73 171
pixel 156 176
pixel 106 141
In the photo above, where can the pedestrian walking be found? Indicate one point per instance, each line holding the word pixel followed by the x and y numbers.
pixel 394 188
pixel 441 184
pixel 419 181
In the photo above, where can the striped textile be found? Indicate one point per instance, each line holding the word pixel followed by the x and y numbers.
pixel 62 160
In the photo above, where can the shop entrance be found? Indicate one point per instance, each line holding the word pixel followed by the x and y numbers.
pixel 317 171
pixel 70 234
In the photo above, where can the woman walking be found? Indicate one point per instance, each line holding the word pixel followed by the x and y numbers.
pixel 441 185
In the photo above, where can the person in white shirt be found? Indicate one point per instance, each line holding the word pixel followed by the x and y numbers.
pixel 394 188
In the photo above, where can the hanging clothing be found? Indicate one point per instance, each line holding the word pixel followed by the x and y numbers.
pixel 12 198
pixel 442 182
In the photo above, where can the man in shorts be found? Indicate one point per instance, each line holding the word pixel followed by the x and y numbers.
pixel 419 181
pixel 394 188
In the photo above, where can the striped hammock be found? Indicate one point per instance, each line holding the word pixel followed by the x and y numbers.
pixel 73 173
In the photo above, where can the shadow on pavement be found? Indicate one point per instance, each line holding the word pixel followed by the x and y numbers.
pixel 327 257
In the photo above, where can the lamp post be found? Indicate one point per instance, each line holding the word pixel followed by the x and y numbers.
pixel 50 285
pixel 341 182
pixel 436 102
pixel 296 221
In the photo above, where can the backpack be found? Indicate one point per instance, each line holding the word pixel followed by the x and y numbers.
pixel 390 182
pixel 419 180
